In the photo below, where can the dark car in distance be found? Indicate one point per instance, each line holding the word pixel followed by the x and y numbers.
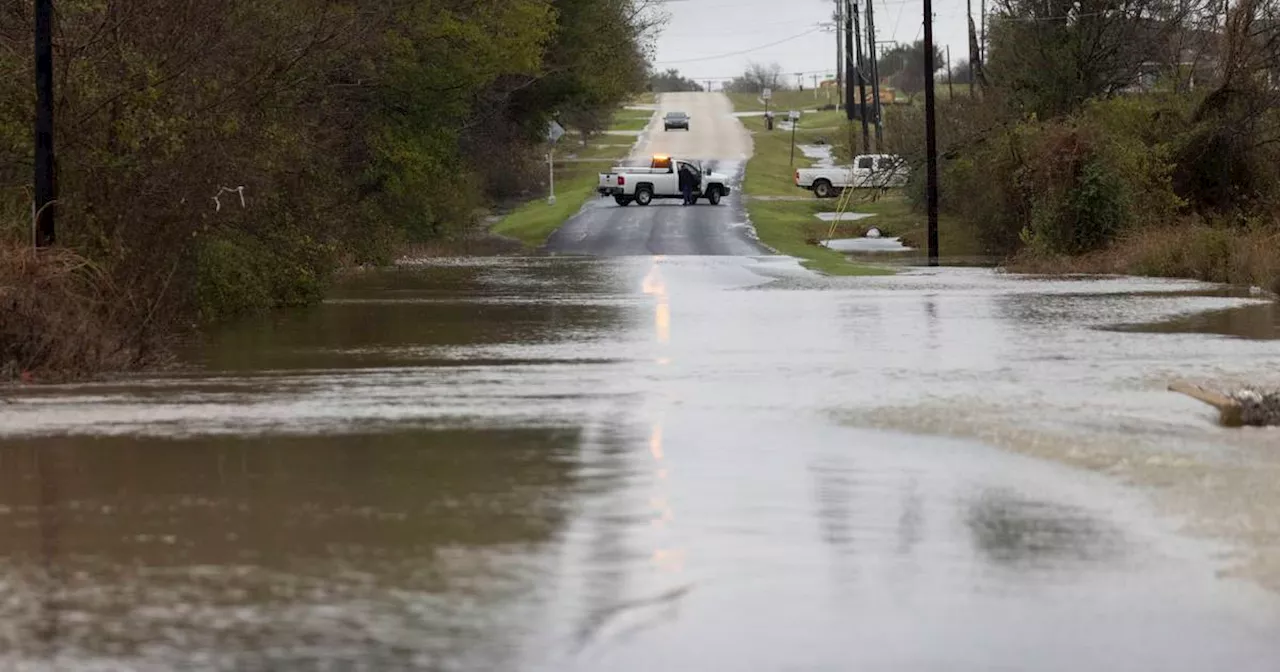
pixel 675 120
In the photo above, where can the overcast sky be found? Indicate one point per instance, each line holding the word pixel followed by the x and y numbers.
pixel 707 38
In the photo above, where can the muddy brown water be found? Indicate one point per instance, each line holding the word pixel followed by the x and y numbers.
pixel 631 464
pixel 1260 321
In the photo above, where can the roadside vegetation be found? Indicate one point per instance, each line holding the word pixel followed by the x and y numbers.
pixel 235 167
pixel 1140 139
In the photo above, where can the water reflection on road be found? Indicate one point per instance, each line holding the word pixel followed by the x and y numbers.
pixel 633 464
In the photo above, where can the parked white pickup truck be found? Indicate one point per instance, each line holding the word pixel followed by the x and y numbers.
pixel 869 171
pixel 660 179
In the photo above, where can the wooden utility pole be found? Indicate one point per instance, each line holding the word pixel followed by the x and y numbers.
pixel 982 38
pixel 930 135
pixel 951 89
pixel 840 73
pixel 877 112
pixel 855 39
pixel 968 12
pixel 46 186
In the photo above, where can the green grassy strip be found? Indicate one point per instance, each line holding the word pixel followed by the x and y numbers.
pixel 534 221
pixel 782 101
pixel 629 123
pixel 790 227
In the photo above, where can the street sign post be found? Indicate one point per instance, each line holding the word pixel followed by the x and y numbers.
pixel 554 132
pixel 794 117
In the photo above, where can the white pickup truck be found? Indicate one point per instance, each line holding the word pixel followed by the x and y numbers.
pixel 869 171
pixel 660 179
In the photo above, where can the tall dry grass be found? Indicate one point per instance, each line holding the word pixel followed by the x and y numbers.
pixel 62 317
pixel 1238 256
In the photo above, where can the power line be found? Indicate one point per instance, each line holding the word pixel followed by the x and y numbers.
pixel 744 51
pixel 762 31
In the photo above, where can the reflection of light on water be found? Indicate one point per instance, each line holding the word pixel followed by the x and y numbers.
pixel 669 559
pixel 664 559
pixel 662 320
pixel 655 286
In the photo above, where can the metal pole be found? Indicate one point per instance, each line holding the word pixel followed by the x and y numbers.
pixel 794 123
pixel 930 134
pixel 877 111
pixel 46 187
pixel 551 168
pixel 855 42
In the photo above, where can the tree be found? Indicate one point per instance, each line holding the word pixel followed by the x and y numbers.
pixel 757 78
pixel 670 80
pixel 903 66
pixel 1052 55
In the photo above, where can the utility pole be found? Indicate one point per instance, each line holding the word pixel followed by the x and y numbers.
pixel 968 12
pixel 951 89
pixel 875 74
pixel 982 39
pixel 930 135
pixel 855 30
pixel 839 52
pixel 46 186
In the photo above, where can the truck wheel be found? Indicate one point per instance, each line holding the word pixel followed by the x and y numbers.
pixel 713 195
pixel 622 200
pixel 644 195
pixel 822 189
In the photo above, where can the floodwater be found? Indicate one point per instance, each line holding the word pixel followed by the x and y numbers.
pixel 654 463
pixel 1258 321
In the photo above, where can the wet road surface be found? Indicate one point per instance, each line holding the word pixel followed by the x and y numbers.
pixel 715 136
pixel 676 463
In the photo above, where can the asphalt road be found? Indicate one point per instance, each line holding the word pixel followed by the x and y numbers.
pixel 715 136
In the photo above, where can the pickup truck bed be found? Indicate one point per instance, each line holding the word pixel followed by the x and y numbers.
pixel 869 171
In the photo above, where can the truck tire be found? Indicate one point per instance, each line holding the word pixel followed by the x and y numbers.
pixel 713 195
pixel 622 200
pixel 644 195
pixel 822 189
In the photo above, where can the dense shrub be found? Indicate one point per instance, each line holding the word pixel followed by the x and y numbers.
pixel 351 126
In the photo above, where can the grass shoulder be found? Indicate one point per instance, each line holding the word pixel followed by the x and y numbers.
pixel 532 222
pixel 577 165
pixel 791 226
pixel 782 100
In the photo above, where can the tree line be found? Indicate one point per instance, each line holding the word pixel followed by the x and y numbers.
pixel 220 157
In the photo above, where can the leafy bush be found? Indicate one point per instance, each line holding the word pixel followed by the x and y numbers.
pixel 239 273
pixel 1066 186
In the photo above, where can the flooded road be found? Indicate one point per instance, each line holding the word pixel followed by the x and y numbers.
pixel 644 463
